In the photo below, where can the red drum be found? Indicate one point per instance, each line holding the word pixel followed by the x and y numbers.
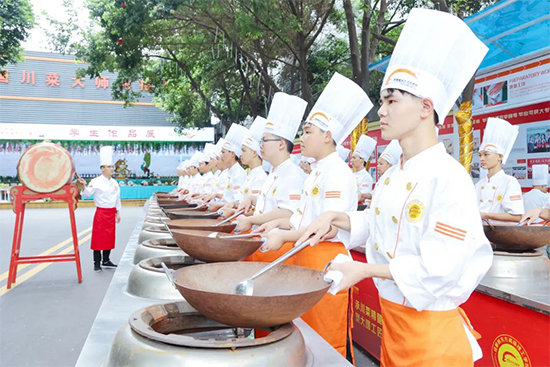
pixel 45 167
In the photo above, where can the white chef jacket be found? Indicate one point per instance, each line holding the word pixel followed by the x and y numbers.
pixel 425 223
pixel 195 184
pixel 364 181
pixel 329 187
pixel 236 178
pixel 181 182
pixel 223 180
pixel 282 189
pixel 534 199
pixel 207 182
pixel 106 192
pixel 499 194
pixel 254 181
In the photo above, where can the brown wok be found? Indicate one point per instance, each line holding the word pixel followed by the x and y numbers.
pixel 181 205
pixel 198 245
pixel 165 195
pixel 189 214
pixel 201 225
pixel 281 295
pixel 517 239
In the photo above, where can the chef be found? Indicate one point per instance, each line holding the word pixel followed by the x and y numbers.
pixel 361 155
pixel 281 191
pixel 306 163
pixel 106 194
pixel 195 179
pixel 343 153
pixel 252 158
pixel 389 157
pixel 425 246
pixel 538 196
pixel 205 168
pixel 499 195
pixel 330 186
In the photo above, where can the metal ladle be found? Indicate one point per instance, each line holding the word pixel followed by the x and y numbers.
pixel 246 287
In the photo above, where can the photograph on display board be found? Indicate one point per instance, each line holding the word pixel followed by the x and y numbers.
pixel 519 172
pixel 449 146
pixel 477 98
pixel 538 139
pixel 495 94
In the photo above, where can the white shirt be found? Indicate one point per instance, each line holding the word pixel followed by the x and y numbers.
pixel 236 178
pixel 181 182
pixel 329 187
pixel 425 223
pixel 499 194
pixel 364 181
pixel 254 181
pixel 195 184
pixel 223 180
pixel 106 192
pixel 534 199
pixel 282 189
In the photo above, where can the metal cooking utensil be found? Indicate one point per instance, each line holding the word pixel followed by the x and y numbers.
pixel 235 236
pixel 228 219
pixel 168 274
pixel 246 287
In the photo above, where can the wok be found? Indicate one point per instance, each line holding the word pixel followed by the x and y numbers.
pixel 189 214
pixel 281 295
pixel 176 205
pixel 200 225
pixel 517 239
pixel 165 195
pixel 198 245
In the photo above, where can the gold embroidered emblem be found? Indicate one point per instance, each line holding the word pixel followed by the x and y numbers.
pixel 377 211
pixel 315 191
pixel 415 211
pixel 482 187
pixel 387 181
pixel 246 190
pixel 409 186
pixel 499 198
pixel 228 186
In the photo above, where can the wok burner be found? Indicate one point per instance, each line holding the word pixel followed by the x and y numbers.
pixel 519 265
pixel 173 335
pixel 156 248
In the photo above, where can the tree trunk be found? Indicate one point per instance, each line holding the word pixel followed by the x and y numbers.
pixel 353 41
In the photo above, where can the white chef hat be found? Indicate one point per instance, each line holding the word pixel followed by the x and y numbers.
pixel 365 146
pixel 181 166
pixel 499 137
pixel 255 132
pixel 392 153
pixel 216 152
pixel 106 156
pixel 208 148
pixel 309 160
pixel 234 138
pixel 343 152
pixel 540 174
pixel 194 161
pixel 285 115
pixel 435 57
pixel 340 108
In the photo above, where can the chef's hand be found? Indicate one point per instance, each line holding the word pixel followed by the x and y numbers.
pixel 268 227
pixel 214 207
pixel 227 212
pixel 532 215
pixel 246 205
pixel 319 230
pixel 243 224
pixel 353 271
pixel 274 241
pixel 117 217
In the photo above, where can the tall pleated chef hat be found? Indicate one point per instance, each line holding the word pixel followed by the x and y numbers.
pixel 365 146
pixel 435 57
pixel 255 132
pixel 234 138
pixel 540 174
pixel 182 166
pixel 208 148
pixel 340 108
pixel 343 152
pixel 194 161
pixel 499 137
pixel 217 151
pixel 392 153
pixel 285 115
pixel 106 156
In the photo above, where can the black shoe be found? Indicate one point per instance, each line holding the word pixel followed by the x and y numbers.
pixel 108 264
pixel 97 268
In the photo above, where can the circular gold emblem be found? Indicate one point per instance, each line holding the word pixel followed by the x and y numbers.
pixel 499 198
pixel 315 191
pixel 507 351
pixel 246 190
pixel 415 211
pixel 228 186
pixel 387 181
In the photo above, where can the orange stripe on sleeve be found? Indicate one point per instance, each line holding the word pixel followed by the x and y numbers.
pixel 448 234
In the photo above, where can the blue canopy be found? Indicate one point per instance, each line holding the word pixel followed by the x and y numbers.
pixel 510 28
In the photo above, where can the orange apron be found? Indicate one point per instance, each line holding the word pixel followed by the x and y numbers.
pixel 426 338
pixel 331 317
pixel 270 256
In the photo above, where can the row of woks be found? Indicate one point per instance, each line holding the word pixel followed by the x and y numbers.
pixel 206 272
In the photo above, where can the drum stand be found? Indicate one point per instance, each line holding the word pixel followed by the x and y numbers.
pixel 21 195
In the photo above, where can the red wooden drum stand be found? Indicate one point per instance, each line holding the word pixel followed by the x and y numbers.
pixel 21 195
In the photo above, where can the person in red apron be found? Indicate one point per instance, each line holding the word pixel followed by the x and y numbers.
pixel 425 246
pixel 106 194
pixel 331 185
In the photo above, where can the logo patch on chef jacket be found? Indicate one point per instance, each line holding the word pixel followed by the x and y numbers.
pixel 499 198
pixel 315 191
pixel 415 211
pixel 228 187
pixel 246 190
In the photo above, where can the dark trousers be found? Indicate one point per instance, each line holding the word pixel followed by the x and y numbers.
pixel 97 256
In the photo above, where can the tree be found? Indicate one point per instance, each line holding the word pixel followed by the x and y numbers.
pixel 16 19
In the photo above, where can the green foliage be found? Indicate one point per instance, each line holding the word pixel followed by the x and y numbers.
pixel 16 19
